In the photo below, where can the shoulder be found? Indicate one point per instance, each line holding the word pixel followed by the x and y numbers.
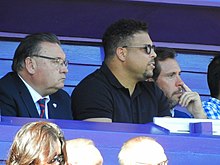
pixel 152 89
pixel 11 82
pixel 212 108
pixel 8 77
pixel 60 92
pixel 211 104
pixel 60 95
pixel 94 82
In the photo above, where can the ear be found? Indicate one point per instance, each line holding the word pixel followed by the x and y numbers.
pixel 121 53
pixel 30 65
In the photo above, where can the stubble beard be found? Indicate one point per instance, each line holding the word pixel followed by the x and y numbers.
pixel 172 103
pixel 147 74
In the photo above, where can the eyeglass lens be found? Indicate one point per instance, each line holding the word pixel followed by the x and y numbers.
pixel 149 48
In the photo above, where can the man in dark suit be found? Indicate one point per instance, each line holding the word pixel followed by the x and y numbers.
pixel 167 77
pixel 39 70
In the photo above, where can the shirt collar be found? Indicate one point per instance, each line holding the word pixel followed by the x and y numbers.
pixel 110 76
pixel 114 81
pixel 172 112
pixel 34 94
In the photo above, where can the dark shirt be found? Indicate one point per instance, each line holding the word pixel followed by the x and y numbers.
pixel 100 95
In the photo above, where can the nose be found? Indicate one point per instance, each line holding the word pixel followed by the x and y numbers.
pixel 153 54
pixel 63 69
pixel 179 81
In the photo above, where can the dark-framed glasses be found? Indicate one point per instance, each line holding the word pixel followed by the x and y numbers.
pixel 59 61
pixel 57 159
pixel 148 48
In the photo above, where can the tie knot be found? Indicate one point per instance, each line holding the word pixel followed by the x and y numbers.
pixel 41 101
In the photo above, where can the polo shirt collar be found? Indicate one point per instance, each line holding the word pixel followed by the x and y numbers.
pixel 114 81
pixel 110 76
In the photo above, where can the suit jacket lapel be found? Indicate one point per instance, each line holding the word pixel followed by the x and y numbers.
pixel 26 97
pixel 53 109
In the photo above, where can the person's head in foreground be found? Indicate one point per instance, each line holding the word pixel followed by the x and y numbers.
pixel 142 151
pixel 83 152
pixel 38 143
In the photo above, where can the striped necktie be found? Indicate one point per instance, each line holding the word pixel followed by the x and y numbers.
pixel 41 103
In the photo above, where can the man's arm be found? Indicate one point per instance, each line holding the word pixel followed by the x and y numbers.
pixel 191 100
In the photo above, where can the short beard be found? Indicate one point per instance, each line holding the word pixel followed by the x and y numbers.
pixel 172 104
pixel 147 75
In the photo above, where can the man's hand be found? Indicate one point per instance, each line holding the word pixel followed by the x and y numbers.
pixel 191 100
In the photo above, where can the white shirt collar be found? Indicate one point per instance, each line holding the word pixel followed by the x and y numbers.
pixel 34 94
pixel 172 112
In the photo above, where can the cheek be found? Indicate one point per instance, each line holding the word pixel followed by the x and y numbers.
pixel 166 87
pixel 143 59
pixel 52 73
pixel 170 89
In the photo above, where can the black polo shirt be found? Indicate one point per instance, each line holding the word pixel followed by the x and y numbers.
pixel 100 95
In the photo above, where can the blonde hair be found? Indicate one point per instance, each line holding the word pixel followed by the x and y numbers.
pixel 35 143
pixel 82 151
pixel 139 150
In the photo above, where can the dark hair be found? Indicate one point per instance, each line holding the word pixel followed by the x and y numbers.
pixel 119 33
pixel 29 46
pixel 213 76
pixel 162 55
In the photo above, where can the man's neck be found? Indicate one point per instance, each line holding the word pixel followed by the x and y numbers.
pixel 124 78
pixel 126 82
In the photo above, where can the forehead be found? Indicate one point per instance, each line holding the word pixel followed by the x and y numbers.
pixel 169 65
pixel 51 49
pixel 141 38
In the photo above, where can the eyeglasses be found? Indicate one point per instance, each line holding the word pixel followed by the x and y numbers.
pixel 58 158
pixel 165 162
pixel 59 61
pixel 148 48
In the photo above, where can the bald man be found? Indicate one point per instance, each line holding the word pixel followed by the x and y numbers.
pixel 142 150
pixel 83 152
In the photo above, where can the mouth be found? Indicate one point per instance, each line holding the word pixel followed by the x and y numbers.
pixel 62 79
pixel 178 93
pixel 152 64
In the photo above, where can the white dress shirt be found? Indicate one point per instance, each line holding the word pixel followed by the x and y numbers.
pixel 36 96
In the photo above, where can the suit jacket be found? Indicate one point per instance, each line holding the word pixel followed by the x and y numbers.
pixel 179 114
pixel 16 100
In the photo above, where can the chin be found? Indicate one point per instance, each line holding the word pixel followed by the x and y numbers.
pixel 148 75
pixel 172 103
pixel 60 86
